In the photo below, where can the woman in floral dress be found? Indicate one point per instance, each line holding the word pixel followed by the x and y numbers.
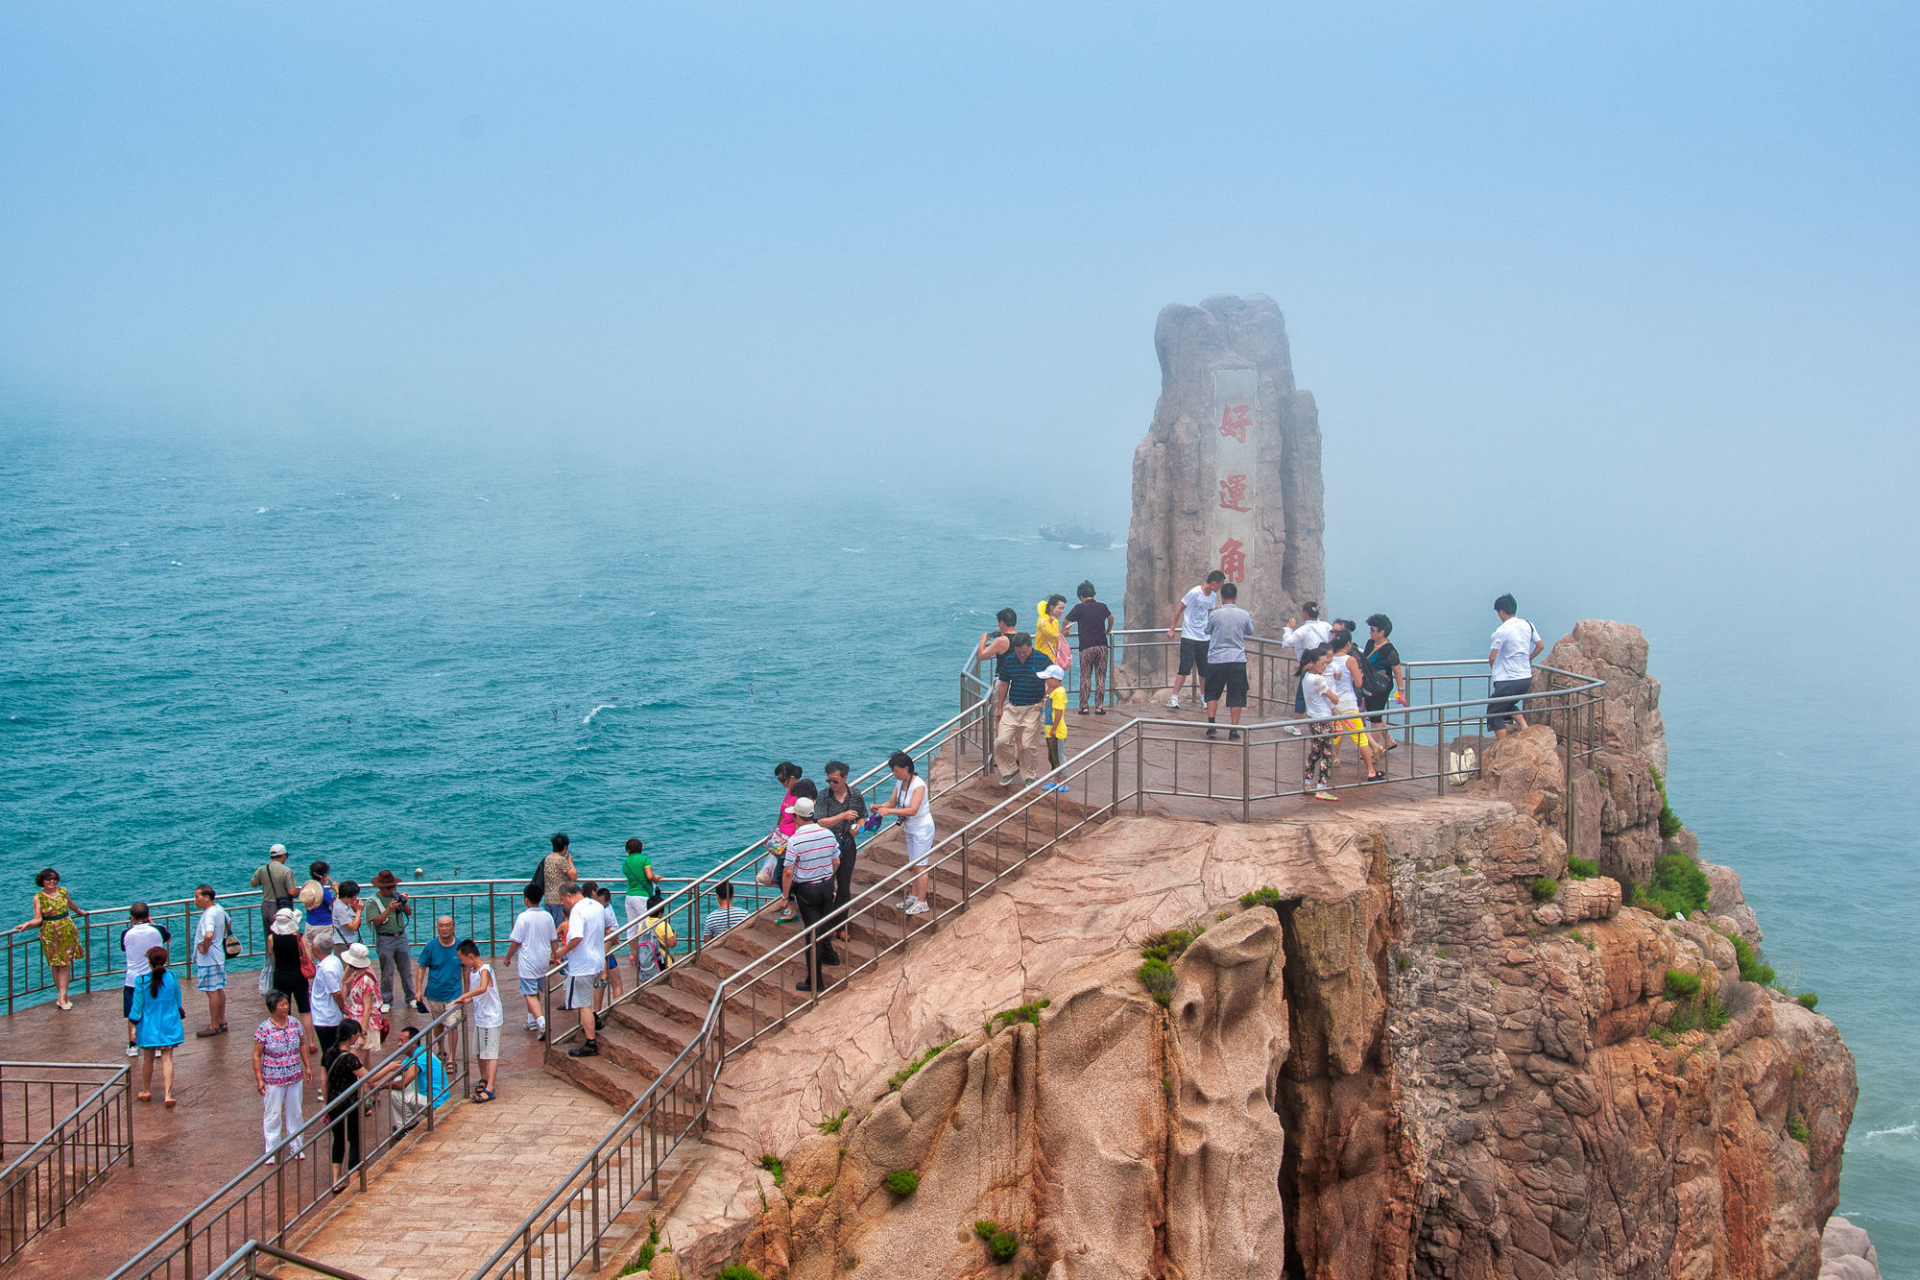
pixel 53 913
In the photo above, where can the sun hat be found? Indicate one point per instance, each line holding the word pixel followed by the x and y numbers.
pixel 385 880
pixel 284 923
pixel 356 955
pixel 278 851
pixel 803 808
pixel 312 894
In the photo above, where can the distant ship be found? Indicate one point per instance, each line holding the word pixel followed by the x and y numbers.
pixel 1075 535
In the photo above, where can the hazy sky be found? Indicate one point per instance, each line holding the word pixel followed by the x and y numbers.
pixel 1573 266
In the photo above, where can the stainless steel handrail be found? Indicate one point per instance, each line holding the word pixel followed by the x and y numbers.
pixel 76 1152
pixel 248 1256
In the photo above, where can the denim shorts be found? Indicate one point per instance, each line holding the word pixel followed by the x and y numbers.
pixel 533 986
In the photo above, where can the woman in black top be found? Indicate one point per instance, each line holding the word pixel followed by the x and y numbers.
pixel 288 949
pixel 344 1067
pixel 1380 660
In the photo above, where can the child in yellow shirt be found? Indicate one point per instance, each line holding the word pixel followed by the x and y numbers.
pixel 1053 721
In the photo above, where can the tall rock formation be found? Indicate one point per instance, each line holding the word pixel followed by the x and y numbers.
pixel 1228 476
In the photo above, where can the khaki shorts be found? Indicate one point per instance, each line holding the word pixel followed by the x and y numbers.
pixel 578 991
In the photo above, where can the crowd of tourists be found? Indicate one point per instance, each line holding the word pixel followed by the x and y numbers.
pixel 329 998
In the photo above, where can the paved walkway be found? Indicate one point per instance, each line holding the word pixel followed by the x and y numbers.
pixel 447 1202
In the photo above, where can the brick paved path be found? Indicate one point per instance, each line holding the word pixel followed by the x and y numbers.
pixel 445 1204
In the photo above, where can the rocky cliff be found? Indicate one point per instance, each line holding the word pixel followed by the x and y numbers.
pixel 1427 1049
pixel 1228 476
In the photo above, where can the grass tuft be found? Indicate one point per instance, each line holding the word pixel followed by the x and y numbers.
pixel 1169 945
pixel 1265 896
pixel 833 1122
pixel 907 1072
pixel 1544 889
pixel 771 1163
pixel 1808 1000
pixel 1682 985
pixel 903 1182
pixel 738 1272
pixel 1579 868
pixel 1751 970
pixel 1024 1013
pixel 1158 978
pixel 1670 824
pixel 1678 887
pixel 1797 1129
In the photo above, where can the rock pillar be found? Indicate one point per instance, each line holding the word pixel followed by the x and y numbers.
pixel 1228 476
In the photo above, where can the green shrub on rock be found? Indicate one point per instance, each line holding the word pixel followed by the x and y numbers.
pixel 1158 978
pixel 1678 887
pixel 1808 1000
pixel 1751 970
pixel 1682 985
pixel 903 1182
pixel 738 1272
pixel 1797 1129
pixel 1544 888
pixel 1265 896
pixel 1001 1243
pixel 1579 868
pixel 1670 824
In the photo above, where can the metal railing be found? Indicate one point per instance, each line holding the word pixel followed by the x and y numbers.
pixel 1126 767
pixel 687 907
pixel 279 1193
pixel 245 1264
pixel 63 1127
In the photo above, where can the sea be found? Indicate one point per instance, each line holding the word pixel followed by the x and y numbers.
pixel 430 656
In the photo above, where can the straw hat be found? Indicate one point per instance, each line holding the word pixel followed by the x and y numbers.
pixel 284 923
pixel 312 894
pixel 356 955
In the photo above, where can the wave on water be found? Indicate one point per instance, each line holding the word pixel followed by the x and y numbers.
pixel 597 710
pixel 260 511
pixel 1898 1131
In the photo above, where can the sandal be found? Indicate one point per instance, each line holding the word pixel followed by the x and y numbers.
pixel 483 1094
pixel 210 1031
pixel 63 1004
pixel 1326 795
pixel 143 1097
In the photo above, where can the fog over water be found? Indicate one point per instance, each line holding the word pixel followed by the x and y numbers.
pixel 576 401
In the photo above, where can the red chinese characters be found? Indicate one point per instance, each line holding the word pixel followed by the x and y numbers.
pixel 1233 562
pixel 1233 493
pixel 1234 421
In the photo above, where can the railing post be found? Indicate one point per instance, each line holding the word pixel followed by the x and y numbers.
pixel 186 1247
pixel 966 890
pixel 493 925
pixel 1246 776
pixel 1139 771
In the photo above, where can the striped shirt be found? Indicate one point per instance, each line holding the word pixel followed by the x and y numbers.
pixel 724 919
pixel 1025 688
pixel 810 854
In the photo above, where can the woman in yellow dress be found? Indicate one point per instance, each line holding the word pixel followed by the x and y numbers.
pixel 1046 630
pixel 53 913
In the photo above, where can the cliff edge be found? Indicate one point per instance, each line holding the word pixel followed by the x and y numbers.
pixel 1426 1039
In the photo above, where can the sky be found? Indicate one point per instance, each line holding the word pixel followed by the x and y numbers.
pixel 1640 280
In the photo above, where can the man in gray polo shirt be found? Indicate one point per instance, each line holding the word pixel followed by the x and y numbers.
pixel 1227 634
pixel 813 855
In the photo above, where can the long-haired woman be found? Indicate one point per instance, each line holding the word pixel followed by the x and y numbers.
pixel 160 1028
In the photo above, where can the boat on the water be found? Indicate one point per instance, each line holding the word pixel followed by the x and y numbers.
pixel 1075 535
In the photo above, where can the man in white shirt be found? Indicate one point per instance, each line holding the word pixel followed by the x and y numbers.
pixel 329 975
pixel 135 940
pixel 1302 637
pixel 1189 626
pixel 532 940
pixel 1515 645
pixel 210 959
pixel 585 952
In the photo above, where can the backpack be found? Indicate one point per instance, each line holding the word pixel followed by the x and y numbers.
pixel 539 882
pixel 1376 681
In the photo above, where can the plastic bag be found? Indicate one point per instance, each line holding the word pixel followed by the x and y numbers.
pixel 769 867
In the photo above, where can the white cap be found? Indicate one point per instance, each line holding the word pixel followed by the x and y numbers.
pixel 803 808
pixel 1053 673
pixel 279 851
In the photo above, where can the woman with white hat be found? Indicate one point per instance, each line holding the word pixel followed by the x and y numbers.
pixel 292 967
pixel 359 997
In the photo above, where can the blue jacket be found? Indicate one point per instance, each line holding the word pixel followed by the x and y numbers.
pixel 157 1017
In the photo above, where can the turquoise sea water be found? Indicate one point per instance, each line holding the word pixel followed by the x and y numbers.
pixel 415 658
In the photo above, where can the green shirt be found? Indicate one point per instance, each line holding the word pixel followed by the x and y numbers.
pixel 636 868
pixel 396 921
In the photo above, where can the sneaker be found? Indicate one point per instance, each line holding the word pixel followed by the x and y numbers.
pixel 587 1049
pixel 1173 703
pixel 133 1051
pixel 542 1024
pixel 803 985
pixel 1212 732
pixel 419 1006
pixel 1233 735
pixel 1008 781
pixel 1292 732
pixel 385 1007
pixel 918 908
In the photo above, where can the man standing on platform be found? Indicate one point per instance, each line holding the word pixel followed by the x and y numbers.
pixel 210 958
pixel 998 645
pixel 1189 626
pixel 323 992
pixel 389 920
pixel 813 855
pixel 1228 630
pixel 1515 645
pixel 440 974
pixel 135 939
pixel 1019 736
pixel 275 884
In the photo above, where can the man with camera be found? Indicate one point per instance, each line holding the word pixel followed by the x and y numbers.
pixel 389 920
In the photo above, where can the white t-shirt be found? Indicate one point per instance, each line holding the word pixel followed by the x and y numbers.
pixel 1320 694
pixel 1310 634
pixel 328 976
pixel 1340 676
pixel 486 1008
pixel 587 922
pixel 134 942
pixel 920 821
pixel 535 932
pixel 1513 642
pixel 1200 604
pixel 212 921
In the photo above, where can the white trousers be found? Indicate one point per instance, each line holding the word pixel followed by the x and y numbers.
pixel 282 1120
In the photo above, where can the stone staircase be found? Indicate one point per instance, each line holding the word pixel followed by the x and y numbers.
pixel 641 1038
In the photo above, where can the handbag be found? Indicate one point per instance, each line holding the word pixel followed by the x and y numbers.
pixel 307 969
pixel 230 944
